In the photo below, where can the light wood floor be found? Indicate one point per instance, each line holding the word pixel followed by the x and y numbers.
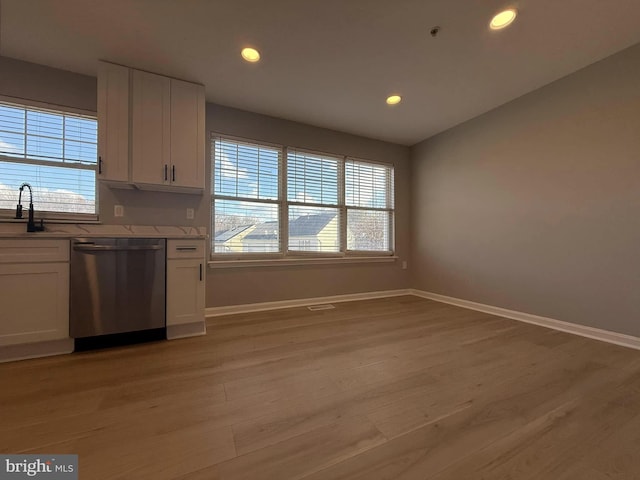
pixel 400 388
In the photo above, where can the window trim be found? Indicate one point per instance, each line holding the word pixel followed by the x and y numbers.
pixel 299 261
pixel 301 257
pixel 48 106
pixel 7 215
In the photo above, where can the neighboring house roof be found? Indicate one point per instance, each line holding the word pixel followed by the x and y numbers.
pixel 264 231
pixel 303 226
pixel 226 235
pixel 309 225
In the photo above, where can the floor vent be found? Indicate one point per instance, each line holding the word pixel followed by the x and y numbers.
pixel 326 306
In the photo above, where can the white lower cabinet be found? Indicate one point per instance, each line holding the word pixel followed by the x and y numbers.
pixel 34 291
pixel 186 271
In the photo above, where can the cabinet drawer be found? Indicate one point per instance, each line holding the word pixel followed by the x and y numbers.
pixel 185 249
pixel 34 251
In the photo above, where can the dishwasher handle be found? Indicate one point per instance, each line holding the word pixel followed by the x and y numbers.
pixel 84 247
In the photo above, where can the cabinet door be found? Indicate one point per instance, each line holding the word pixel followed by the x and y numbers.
pixel 151 108
pixel 185 291
pixel 187 134
pixel 35 302
pixel 113 122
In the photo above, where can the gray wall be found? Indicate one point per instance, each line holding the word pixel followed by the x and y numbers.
pixel 231 286
pixel 31 81
pixel 535 206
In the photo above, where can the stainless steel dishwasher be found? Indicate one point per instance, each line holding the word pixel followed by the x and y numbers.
pixel 117 291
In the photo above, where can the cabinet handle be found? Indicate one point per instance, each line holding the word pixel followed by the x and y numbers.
pixel 186 249
pixel 165 173
pixel 99 165
pixel 200 272
pixel 173 173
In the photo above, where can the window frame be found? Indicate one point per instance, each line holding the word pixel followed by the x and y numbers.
pixel 8 215
pixel 301 256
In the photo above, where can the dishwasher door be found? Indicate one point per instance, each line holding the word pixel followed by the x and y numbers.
pixel 117 286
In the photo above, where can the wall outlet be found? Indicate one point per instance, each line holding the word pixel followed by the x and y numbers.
pixel 118 211
pixel 404 264
pixel 190 213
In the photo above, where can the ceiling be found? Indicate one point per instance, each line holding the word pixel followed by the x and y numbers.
pixel 331 63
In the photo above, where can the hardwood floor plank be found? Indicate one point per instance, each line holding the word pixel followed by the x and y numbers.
pixel 302 455
pixel 153 457
pixel 544 447
pixel 318 411
pixel 290 383
pixel 618 449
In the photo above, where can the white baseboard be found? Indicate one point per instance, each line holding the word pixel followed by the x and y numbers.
pixel 302 302
pixel 582 330
pixel 187 330
pixel 11 353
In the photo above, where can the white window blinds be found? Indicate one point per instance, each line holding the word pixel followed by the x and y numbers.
pixel 55 152
pixel 313 194
pixel 246 195
pixel 369 198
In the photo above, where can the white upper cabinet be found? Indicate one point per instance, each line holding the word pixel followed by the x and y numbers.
pixel 151 124
pixel 113 122
pixel 160 136
pixel 187 134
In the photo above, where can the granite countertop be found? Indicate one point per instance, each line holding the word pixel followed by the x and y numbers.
pixel 67 230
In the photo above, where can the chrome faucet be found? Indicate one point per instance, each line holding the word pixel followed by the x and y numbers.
pixel 31 226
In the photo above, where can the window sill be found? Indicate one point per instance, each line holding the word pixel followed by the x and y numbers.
pixel 282 262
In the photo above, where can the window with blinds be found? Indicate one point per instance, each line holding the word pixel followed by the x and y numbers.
pixel 246 197
pixel 369 204
pixel 313 202
pixel 285 201
pixel 55 152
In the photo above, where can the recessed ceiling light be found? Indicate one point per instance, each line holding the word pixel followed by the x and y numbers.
pixel 503 19
pixel 394 100
pixel 250 54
